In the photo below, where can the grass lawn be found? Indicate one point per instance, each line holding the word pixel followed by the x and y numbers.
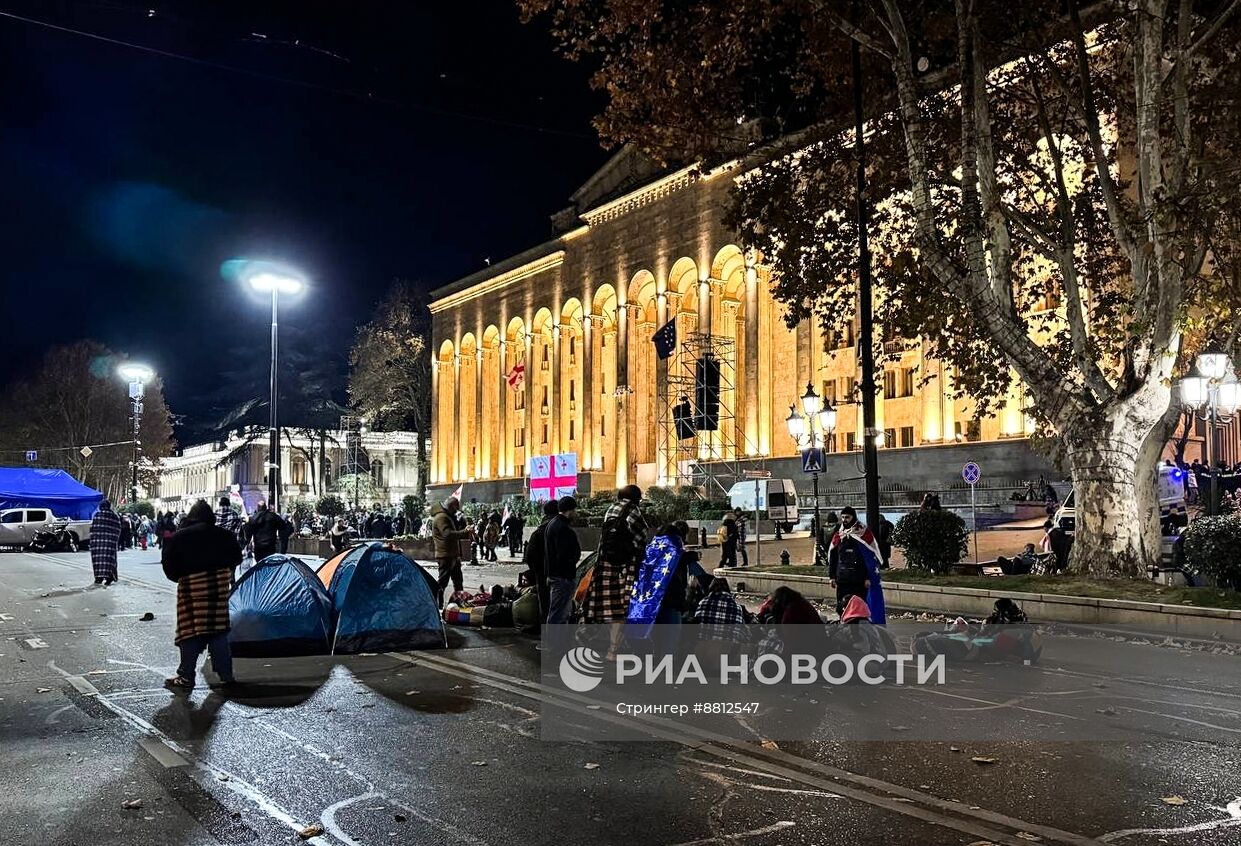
pixel 1139 590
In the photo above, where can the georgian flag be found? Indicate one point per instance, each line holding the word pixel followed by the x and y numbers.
pixel 516 377
pixel 869 549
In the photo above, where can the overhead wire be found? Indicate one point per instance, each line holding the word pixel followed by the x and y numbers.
pixel 365 96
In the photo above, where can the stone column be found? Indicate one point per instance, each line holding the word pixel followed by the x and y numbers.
pixel 590 389
pixel 437 449
pixel 503 456
pixel 458 473
pixel 733 442
pixel 531 411
pixel 557 385
pixel 480 437
pixel 624 317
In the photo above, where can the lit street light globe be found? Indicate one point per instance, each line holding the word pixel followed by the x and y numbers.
pixel 278 282
pixel 134 372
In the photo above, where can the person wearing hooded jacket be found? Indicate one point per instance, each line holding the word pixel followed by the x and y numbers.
pixel 447 537
pixel 200 557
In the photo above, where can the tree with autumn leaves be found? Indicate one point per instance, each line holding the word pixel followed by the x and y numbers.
pixel 75 399
pixel 390 367
pixel 1052 189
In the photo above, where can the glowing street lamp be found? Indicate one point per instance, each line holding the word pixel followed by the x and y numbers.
pixel 810 430
pixel 137 375
pixel 276 283
pixel 1212 389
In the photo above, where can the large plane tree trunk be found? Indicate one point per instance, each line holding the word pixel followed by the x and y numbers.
pixel 1113 454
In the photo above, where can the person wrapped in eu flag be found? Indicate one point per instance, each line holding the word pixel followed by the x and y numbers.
pixel 658 595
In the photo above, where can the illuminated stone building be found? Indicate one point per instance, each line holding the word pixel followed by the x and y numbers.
pixel 635 250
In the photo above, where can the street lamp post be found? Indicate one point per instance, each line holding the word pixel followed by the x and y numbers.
pixel 137 375
pixel 810 429
pixel 275 284
pixel 1211 388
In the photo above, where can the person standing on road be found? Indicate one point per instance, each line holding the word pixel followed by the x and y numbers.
pixel 229 520
pixel 853 565
pixel 448 539
pixel 105 539
pixel 264 531
pixel 338 535
pixel 729 536
pixel 200 558
pixel 562 551
pixel 743 534
pixel 535 557
pixel 622 543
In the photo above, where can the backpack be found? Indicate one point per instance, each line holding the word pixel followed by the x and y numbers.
pixel 850 569
pixel 721 534
pixel 615 542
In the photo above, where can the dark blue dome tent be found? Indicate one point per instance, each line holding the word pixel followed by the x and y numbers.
pixel 55 490
pixel 279 608
pixel 382 601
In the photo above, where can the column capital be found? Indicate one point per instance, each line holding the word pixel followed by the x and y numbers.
pixel 595 319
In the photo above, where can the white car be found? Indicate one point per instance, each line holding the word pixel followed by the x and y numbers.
pixel 18 526
pixel 1169 489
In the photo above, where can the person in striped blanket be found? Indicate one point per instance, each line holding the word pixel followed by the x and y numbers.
pixel 200 558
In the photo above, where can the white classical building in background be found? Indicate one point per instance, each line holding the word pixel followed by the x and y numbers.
pixel 311 466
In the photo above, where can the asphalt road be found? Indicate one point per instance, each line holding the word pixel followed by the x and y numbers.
pixel 445 747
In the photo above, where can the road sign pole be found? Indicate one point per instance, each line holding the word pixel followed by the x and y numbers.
pixel 974 519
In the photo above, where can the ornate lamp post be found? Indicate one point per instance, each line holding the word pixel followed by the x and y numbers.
pixel 810 429
pixel 1211 390
pixel 137 375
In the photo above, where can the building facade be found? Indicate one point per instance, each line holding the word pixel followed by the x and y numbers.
pixel 551 352
pixel 311 467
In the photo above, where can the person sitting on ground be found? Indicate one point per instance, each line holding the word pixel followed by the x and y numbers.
pixel 721 613
pixel 785 606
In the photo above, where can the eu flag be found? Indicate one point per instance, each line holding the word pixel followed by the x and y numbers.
pixel 663 554
pixel 666 339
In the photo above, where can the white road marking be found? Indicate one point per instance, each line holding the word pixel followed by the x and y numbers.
pixel 54 717
pixel 162 753
pixel 81 685
pixel 757 832
pixel 1233 819
pixel 214 773
pixel 6 618
pixel 871 791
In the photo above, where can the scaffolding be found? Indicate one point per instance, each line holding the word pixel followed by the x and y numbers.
pixel 709 458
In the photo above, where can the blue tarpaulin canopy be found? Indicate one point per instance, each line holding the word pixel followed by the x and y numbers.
pixel 65 496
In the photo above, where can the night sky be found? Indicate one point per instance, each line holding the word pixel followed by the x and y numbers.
pixel 129 177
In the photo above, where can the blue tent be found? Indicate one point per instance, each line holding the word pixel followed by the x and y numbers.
pixel 382 601
pixel 279 608
pixel 56 490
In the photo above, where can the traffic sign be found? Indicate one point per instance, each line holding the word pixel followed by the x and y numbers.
pixel 86 451
pixel 812 460
pixel 756 474
pixel 971 473
pixel 32 455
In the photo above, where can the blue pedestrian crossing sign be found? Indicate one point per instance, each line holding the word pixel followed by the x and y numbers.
pixel 971 473
pixel 812 460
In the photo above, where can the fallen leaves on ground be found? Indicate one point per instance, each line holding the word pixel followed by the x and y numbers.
pixel 983 759
pixel 131 804
pixel 591 766
pixel 1033 838
pixel 478 763
pixel 770 744
pixel 312 830
pixel 42 690
pixel 1174 800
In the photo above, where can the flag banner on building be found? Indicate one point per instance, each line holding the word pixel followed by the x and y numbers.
pixel 457 493
pixel 666 339
pixel 516 377
pixel 552 476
